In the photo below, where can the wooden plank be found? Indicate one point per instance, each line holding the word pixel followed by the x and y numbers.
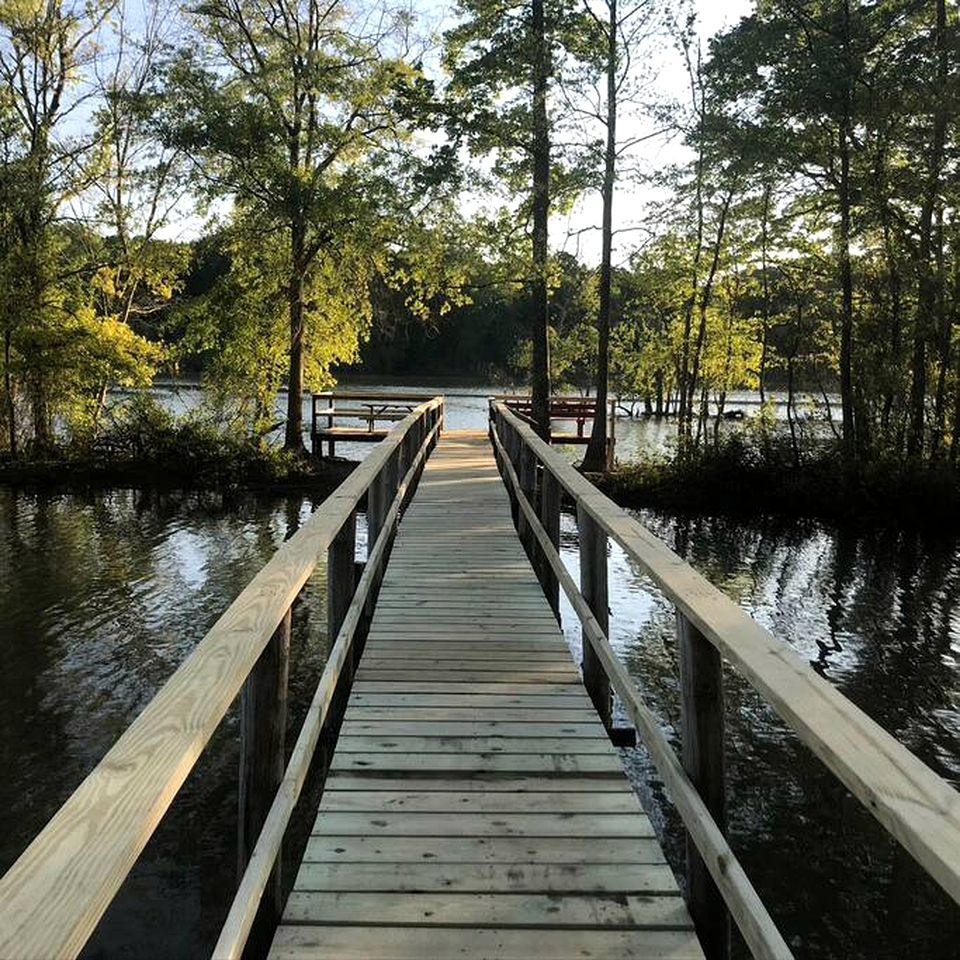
pixel 512 667
pixel 473 850
pixel 653 878
pixel 475 677
pixel 297 942
pixel 516 784
pixel 624 911
pixel 460 824
pixel 463 728
pixel 467 714
pixel 547 746
pixel 531 651
pixel 534 763
pixel 469 699
pixel 464 687
pixel 477 801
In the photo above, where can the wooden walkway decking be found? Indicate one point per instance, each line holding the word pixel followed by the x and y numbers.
pixel 474 806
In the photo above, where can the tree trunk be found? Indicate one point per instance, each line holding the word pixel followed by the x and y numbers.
pixel 596 455
pixel 846 291
pixel 293 437
pixel 540 375
pixel 926 281
pixel 8 394
pixel 765 343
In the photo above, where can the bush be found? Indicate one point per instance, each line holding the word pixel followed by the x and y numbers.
pixel 751 475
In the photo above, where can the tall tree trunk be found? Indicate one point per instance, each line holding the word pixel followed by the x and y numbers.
pixel 596 455
pixel 293 437
pixel 765 344
pixel 8 393
pixel 945 339
pixel 540 376
pixel 926 280
pixel 846 292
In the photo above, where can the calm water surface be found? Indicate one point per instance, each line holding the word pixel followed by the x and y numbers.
pixel 102 596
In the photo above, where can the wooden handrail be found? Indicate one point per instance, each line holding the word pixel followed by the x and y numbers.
pixel 52 898
pixel 410 398
pixel 243 911
pixel 758 929
pixel 917 807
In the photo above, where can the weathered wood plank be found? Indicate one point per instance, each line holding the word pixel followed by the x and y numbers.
pixel 409 745
pixel 461 824
pixel 390 728
pixel 487 801
pixel 624 911
pixel 535 763
pixel 517 784
pixel 475 850
pixel 653 878
pixel 296 942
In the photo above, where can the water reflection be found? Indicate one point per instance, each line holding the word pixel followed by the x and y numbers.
pixel 101 598
pixel 878 615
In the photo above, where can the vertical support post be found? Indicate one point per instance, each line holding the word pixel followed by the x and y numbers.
pixel 550 518
pixel 593 586
pixel 331 446
pixel 527 475
pixel 314 445
pixel 263 725
pixel 378 501
pixel 340 578
pixel 702 728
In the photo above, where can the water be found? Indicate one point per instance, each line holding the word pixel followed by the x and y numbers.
pixel 102 595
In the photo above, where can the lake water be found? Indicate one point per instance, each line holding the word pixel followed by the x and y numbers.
pixel 103 594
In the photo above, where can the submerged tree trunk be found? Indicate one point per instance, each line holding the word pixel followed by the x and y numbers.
pixel 596 455
pixel 540 376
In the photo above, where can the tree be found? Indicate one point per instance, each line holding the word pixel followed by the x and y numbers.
pixel 619 35
pixel 296 115
pixel 504 60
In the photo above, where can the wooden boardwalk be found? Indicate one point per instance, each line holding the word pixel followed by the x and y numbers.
pixel 474 806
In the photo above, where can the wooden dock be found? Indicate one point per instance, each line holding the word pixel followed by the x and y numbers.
pixel 475 806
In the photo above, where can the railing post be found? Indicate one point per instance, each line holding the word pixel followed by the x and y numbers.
pixel 340 578
pixel 263 725
pixel 593 586
pixel 331 446
pixel 378 503
pixel 527 475
pixel 550 518
pixel 702 727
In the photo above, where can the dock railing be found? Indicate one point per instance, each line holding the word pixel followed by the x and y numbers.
pixel 52 898
pixel 362 411
pixel 577 410
pixel 914 805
